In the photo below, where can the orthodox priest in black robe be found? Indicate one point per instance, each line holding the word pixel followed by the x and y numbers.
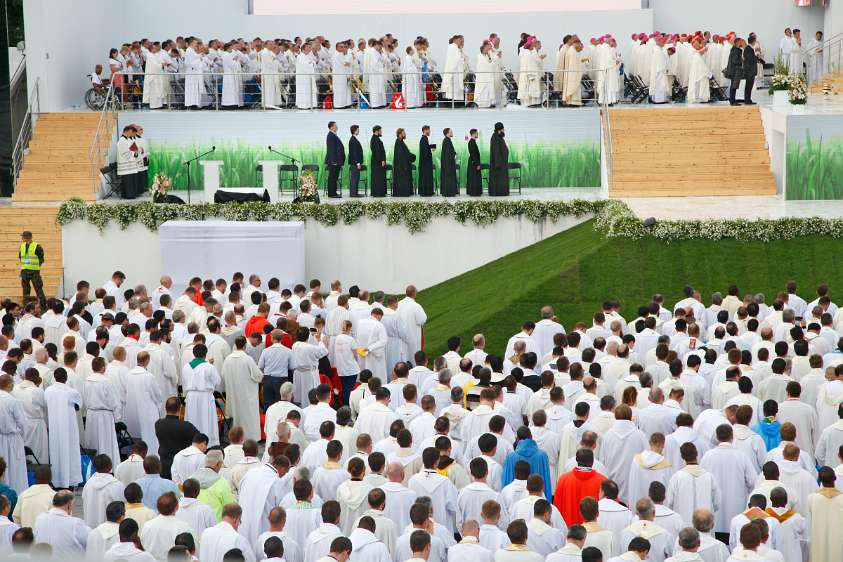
pixel 474 182
pixel 448 166
pixel 377 163
pixel 498 163
pixel 402 167
pixel 426 188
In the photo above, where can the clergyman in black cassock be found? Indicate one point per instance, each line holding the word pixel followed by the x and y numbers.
pixel 426 188
pixel 498 163
pixel 474 182
pixel 448 167
pixel 402 167
pixel 377 164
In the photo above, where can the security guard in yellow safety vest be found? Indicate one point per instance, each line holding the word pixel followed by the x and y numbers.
pixel 31 256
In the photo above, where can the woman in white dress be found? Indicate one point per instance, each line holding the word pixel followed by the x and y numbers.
pixel 411 85
pixel 487 82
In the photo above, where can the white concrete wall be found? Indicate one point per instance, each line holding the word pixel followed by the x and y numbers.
pixel 767 18
pixel 368 253
pixel 67 38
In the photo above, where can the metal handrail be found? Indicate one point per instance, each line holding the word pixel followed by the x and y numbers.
pixel 830 55
pixel 33 109
pixel 251 86
pixel 96 150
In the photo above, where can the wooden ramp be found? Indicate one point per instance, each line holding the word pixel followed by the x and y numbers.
pixel 684 152
pixel 42 222
pixel 58 166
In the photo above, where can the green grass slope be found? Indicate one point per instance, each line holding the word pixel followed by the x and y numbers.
pixel 577 270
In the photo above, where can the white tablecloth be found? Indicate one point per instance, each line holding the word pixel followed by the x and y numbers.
pixel 215 249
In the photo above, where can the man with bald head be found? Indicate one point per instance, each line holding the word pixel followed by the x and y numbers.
pixel 544 331
pixel 67 535
pixel 399 498
pixel 469 547
pixel 166 283
pixel 143 402
pixel 414 317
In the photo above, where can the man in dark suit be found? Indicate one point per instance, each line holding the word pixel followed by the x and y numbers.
pixel 334 159
pixel 734 69
pixel 355 161
pixel 750 71
pixel 173 435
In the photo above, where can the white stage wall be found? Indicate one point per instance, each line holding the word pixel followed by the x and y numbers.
pixel 66 39
pixel 214 249
pixel 369 252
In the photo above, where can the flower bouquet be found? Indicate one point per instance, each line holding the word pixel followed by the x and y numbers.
pixel 308 189
pixel 798 92
pixel 161 184
pixel 781 77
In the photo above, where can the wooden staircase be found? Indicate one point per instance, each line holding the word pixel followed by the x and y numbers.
pixel 683 152
pixel 41 221
pixel 57 166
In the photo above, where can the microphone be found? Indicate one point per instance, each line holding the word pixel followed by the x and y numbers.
pixel 213 148
pixel 269 147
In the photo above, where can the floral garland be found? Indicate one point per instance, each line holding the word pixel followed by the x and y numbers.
pixel 613 218
pixel 617 220
pixel 415 215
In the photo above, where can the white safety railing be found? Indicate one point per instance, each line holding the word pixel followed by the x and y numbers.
pixel 33 109
pixel 824 59
pixel 227 91
pixel 103 137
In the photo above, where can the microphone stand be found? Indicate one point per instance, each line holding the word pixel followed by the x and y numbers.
pixel 188 163
pixel 281 154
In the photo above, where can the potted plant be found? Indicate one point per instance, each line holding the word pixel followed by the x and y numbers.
pixel 798 93
pixel 308 188
pixel 780 85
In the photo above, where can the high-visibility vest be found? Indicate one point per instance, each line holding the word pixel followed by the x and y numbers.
pixel 28 259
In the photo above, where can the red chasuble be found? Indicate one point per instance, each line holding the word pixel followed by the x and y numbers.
pixel 571 488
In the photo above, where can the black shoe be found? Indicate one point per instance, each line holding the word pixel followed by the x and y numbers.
pixel 749 103
pixel 734 103
pixel 334 196
pixel 357 196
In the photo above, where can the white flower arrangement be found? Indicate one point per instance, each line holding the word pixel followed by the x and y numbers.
pixel 781 77
pixel 798 92
pixel 308 189
pixel 161 184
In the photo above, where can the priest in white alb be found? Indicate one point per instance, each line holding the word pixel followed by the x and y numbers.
pixel 306 93
pixel 659 77
pixel 143 402
pixel 221 538
pixel 371 335
pixel 104 407
pixel 576 64
pixel 692 487
pixel 35 407
pixel 12 430
pixel 699 76
pixel 199 378
pixel 414 317
pixel 242 377
pixel 62 404
pixel 453 75
pixel 340 75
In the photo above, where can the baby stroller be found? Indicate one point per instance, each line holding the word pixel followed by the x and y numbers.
pixel 125 441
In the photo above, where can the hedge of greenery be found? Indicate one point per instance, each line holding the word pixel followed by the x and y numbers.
pixel 613 218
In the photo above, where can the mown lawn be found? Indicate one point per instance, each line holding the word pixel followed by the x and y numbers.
pixel 577 270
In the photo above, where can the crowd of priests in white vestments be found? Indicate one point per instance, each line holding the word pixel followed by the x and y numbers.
pixel 300 73
pixel 242 420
